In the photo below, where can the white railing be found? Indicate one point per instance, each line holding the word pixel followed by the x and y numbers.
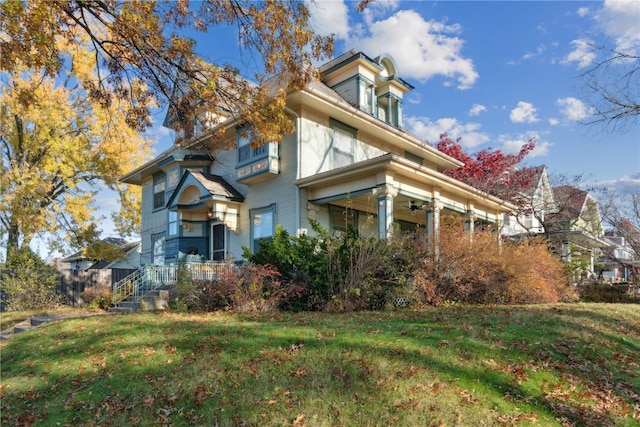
pixel 151 277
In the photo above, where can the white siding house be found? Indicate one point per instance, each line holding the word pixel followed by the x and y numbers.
pixel 350 160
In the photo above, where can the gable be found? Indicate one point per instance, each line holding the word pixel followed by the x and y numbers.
pixel 196 188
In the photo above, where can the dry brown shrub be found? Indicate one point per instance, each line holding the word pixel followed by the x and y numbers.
pixel 475 269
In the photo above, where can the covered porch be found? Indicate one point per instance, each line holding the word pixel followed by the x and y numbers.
pixel 390 191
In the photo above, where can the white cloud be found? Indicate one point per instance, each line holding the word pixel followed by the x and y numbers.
pixel 329 17
pixel 513 145
pixel 476 109
pixel 582 54
pixel 623 187
pixel 525 112
pixel 554 122
pixel 573 109
pixel 428 130
pixel 583 11
pixel 539 51
pixel 422 49
pixel 378 9
pixel 619 19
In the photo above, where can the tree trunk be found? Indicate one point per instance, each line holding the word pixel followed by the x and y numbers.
pixel 13 242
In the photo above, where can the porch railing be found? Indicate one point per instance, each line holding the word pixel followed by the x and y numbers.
pixel 152 277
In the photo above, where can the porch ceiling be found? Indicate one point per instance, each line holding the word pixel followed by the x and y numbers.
pixel 353 185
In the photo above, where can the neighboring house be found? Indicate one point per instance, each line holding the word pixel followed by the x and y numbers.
pixel 575 230
pixel 619 259
pixel 538 202
pixel 565 215
pixel 129 260
pixel 350 161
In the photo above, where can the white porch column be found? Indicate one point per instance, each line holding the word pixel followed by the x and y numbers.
pixel 471 224
pixel 433 223
pixel 384 195
pixel 499 225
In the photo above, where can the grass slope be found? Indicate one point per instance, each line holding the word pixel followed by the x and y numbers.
pixel 574 364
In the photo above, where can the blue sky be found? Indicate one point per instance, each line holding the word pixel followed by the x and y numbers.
pixel 492 73
pixel 497 73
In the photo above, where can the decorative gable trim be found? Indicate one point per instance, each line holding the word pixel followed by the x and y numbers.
pixel 197 188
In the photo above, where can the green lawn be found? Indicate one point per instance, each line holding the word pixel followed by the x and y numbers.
pixel 551 365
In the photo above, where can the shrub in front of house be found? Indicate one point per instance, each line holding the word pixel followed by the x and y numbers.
pixel 347 272
pixel 301 262
pixel 250 287
pixel 334 272
pixel 98 297
pixel 609 293
pixel 471 269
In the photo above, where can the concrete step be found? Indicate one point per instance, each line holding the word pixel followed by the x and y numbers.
pixel 37 321
pixel 157 299
pixel 130 304
pixel 120 309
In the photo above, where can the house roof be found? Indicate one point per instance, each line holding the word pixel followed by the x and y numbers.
pixel 127 248
pixel 217 186
pixel 123 245
pixel 317 90
pixel 171 154
pixel 570 200
pixel 209 187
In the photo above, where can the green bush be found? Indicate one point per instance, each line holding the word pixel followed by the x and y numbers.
pixel 342 272
pixel 29 284
pixel 301 263
pixel 98 297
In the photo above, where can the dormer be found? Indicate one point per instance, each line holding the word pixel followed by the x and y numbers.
pixel 192 118
pixel 371 85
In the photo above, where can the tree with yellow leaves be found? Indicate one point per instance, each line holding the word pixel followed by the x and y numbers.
pixel 68 123
pixel 57 144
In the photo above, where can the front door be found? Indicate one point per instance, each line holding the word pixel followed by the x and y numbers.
pixel 218 241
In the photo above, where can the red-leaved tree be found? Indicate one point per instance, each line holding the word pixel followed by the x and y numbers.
pixel 492 171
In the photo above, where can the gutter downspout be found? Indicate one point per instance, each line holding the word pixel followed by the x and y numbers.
pixel 298 220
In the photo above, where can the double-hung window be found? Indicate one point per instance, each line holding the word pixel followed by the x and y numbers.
pixel 158 249
pixel 244 145
pixel 342 144
pixel 173 218
pixel 246 153
pixel 159 187
pixel 262 225
pixel 367 94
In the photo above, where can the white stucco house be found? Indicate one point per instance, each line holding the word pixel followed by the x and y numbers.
pixel 350 160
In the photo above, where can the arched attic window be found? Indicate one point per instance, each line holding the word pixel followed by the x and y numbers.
pixel 189 196
pixel 389 91
pixel 388 66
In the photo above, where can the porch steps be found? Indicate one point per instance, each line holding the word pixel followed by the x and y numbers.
pixel 153 300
